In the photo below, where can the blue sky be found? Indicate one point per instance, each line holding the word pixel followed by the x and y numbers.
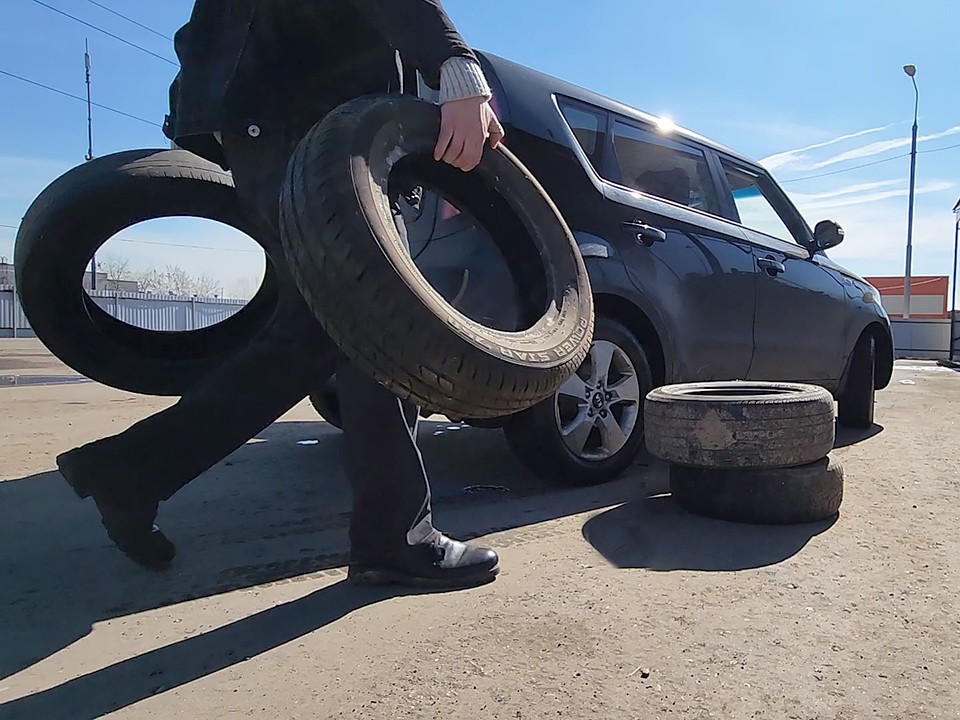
pixel 810 88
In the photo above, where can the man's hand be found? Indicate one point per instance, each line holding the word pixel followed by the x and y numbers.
pixel 465 125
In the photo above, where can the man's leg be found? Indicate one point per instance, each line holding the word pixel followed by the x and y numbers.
pixel 130 473
pixel 392 536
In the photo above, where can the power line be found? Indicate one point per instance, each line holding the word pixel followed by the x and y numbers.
pixel 837 172
pixel 184 245
pixel 869 164
pixel 166 244
pixel 105 32
pixel 77 97
pixel 130 20
pixel 948 147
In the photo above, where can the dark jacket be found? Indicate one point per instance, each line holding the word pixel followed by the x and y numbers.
pixel 282 64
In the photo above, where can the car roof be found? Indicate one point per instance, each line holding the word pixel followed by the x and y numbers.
pixel 516 75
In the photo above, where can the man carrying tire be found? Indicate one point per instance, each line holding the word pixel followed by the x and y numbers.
pixel 255 76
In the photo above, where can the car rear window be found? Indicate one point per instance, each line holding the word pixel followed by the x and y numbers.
pixel 655 164
pixel 589 128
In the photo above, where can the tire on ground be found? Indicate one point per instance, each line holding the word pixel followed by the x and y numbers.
pixel 82 209
pixel 782 496
pixel 855 407
pixel 358 278
pixel 740 424
pixel 535 438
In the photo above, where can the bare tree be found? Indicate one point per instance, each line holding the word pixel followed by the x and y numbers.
pixel 116 268
pixel 177 281
pixel 206 286
pixel 151 281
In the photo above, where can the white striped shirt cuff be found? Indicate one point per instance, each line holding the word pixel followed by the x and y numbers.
pixel 462 78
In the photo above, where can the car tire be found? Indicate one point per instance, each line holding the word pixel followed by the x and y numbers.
pixel 537 436
pixel 781 496
pixel 82 209
pixel 326 401
pixel 357 276
pixel 855 407
pixel 740 424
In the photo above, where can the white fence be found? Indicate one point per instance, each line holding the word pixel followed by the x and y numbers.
pixel 153 312
pixel 923 338
pixel 913 338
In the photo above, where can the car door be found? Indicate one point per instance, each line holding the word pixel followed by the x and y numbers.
pixel 800 312
pixel 695 268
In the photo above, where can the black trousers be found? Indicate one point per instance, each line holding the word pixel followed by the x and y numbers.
pixel 160 454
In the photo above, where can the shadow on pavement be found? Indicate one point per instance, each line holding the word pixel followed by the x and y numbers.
pixel 655 534
pixel 277 508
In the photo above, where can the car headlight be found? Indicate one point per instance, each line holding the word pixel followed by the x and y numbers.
pixel 871 294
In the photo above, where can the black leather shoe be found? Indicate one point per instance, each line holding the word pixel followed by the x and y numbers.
pixel 442 564
pixel 129 521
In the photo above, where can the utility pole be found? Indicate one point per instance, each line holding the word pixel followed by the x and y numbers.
pixel 86 65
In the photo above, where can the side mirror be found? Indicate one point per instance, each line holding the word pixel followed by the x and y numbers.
pixel 827 234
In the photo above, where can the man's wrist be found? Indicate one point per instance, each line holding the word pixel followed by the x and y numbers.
pixel 462 78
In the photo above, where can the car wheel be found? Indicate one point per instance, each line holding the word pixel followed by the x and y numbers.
pixel 777 496
pixel 855 406
pixel 326 402
pixel 592 428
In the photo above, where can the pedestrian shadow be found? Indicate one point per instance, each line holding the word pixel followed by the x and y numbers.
pixel 846 436
pixel 275 510
pixel 129 681
pixel 653 533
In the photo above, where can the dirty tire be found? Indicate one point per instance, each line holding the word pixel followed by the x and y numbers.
pixel 856 406
pixel 739 424
pixel 357 277
pixel 82 209
pixel 535 436
pixel 782 496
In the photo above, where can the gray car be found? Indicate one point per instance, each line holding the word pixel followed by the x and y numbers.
pixel 701 267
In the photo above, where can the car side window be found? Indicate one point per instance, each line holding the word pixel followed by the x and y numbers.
pixel 589 127
pixel 657 165
pixel 753 207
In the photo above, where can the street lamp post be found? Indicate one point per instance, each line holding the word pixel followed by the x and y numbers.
pixel 953 287
pixel 911 71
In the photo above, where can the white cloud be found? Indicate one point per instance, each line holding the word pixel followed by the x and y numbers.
pixel 880 147
pixel 876 234
pixel 865 198
pixel 847 190
pixel 797 156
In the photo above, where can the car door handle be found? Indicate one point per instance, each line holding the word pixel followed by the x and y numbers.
pixel 773 267
pixel 647 234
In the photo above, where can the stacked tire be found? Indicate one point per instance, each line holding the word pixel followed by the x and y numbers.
pixel 753 452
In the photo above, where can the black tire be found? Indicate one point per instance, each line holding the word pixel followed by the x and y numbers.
pixel 855 406
pixel 782 496
pixel 326 401
pixel 536 438
pixel 358 278
pixel 82 209
pixel 740 424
